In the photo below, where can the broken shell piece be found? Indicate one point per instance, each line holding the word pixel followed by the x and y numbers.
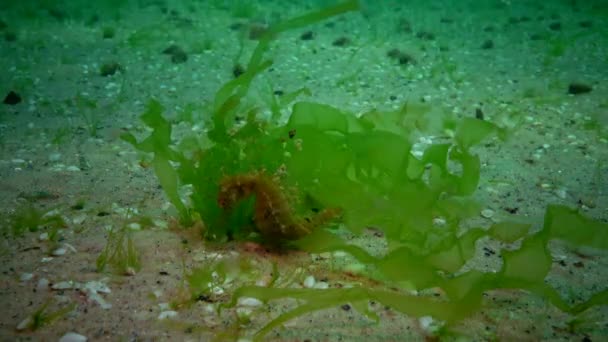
pixel 73 337
pixel 63 285
pixel 24 324
pixel 249 301
pixel 167 314
pixel 26 276
pixel 487 213
pixel 321 285
pixel 78 219
pixel 309 282
pixel 43 283
pixel 59 251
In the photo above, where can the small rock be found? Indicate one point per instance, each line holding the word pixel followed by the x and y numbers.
pixel 579 88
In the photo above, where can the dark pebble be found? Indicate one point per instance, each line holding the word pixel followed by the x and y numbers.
pixel 579 88
pixel 178 55
pixel 108 69
pixel 237 70
pixel 308 35
pixel 556 26
pixel 341 42
pixel 12 98
pixel 425 35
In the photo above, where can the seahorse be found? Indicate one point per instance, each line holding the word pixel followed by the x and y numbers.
pixel 274 218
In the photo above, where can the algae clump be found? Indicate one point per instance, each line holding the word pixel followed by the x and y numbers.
pixel 325 159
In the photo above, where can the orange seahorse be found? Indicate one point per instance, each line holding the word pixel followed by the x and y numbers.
pixel 274 218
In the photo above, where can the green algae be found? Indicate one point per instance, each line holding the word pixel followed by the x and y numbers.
pixel 363 165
